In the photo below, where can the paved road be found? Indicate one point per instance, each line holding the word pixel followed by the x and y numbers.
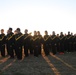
pixel 42 65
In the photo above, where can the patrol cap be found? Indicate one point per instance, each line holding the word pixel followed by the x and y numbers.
pixel 35 31
pixel 26 30
pixel 53 31
pixel 2 29
pixel 10 29
pixel 46 31
pixel 61 32
pixel 18 29
pixel 38 31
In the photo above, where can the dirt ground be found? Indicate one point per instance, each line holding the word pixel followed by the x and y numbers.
pixel 43 65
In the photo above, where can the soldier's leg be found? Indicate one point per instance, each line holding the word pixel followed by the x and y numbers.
pixel 39 50
pixel 68 47
pixel 31 50
pixel 50 48
pixel 44 47
pixel 54 49
pixel 19 53
pixel 11 52
pixel 70 50
pixel 16 49
pixel 46 50
pixel 58 48
pixel 0 51
pixel 74 47
pixel 3 51
pixel 36 51
pixel 8 51
pixel 63 47
pixel 26 51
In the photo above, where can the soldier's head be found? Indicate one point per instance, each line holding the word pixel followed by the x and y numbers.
pixel 71 33
pixel 57 35
pixel 2 31
pixel 35 33
pixel 68 32
pixel 10 30
pixel 61 33
pixel 38 32
pixel 46 33
pixel 18 30
pixel 53 33
pixel 26 31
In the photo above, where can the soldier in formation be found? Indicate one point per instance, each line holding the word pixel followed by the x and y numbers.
pixel 35 40
pixel 46 43
pixel 10 40
pixel 17 42
pixel 26 43
pixel 2 43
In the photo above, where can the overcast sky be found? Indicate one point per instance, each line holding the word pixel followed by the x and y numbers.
pixel 50 15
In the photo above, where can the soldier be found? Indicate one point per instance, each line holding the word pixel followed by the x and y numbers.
pixel 35 44
pixel 61 37
pixel 2 43
pixel 69 42
pixel 58 43
pixel 10 40
pixel 50 41
pixel 65 43
pixel 74 42
pixel 18 43
pixel 40 42
pixel 54 43
pixel 8 52
pixel 46 43
pixel 31 44
pixel 26 42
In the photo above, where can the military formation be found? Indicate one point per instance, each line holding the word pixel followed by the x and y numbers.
pixel 14 43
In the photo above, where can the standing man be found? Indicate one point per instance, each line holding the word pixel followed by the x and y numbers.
pixel 54 43
pixel 65 43
pixel 50 41
pixel 61 37
pixel 18 43
pixel 2 43
pixel 26 41
pixel 31 44
pixel 46 43
pixel 69 42
pixel 10 40
pixel 40 42
pixel 74 42
pixel 58 43
pixel 35 44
